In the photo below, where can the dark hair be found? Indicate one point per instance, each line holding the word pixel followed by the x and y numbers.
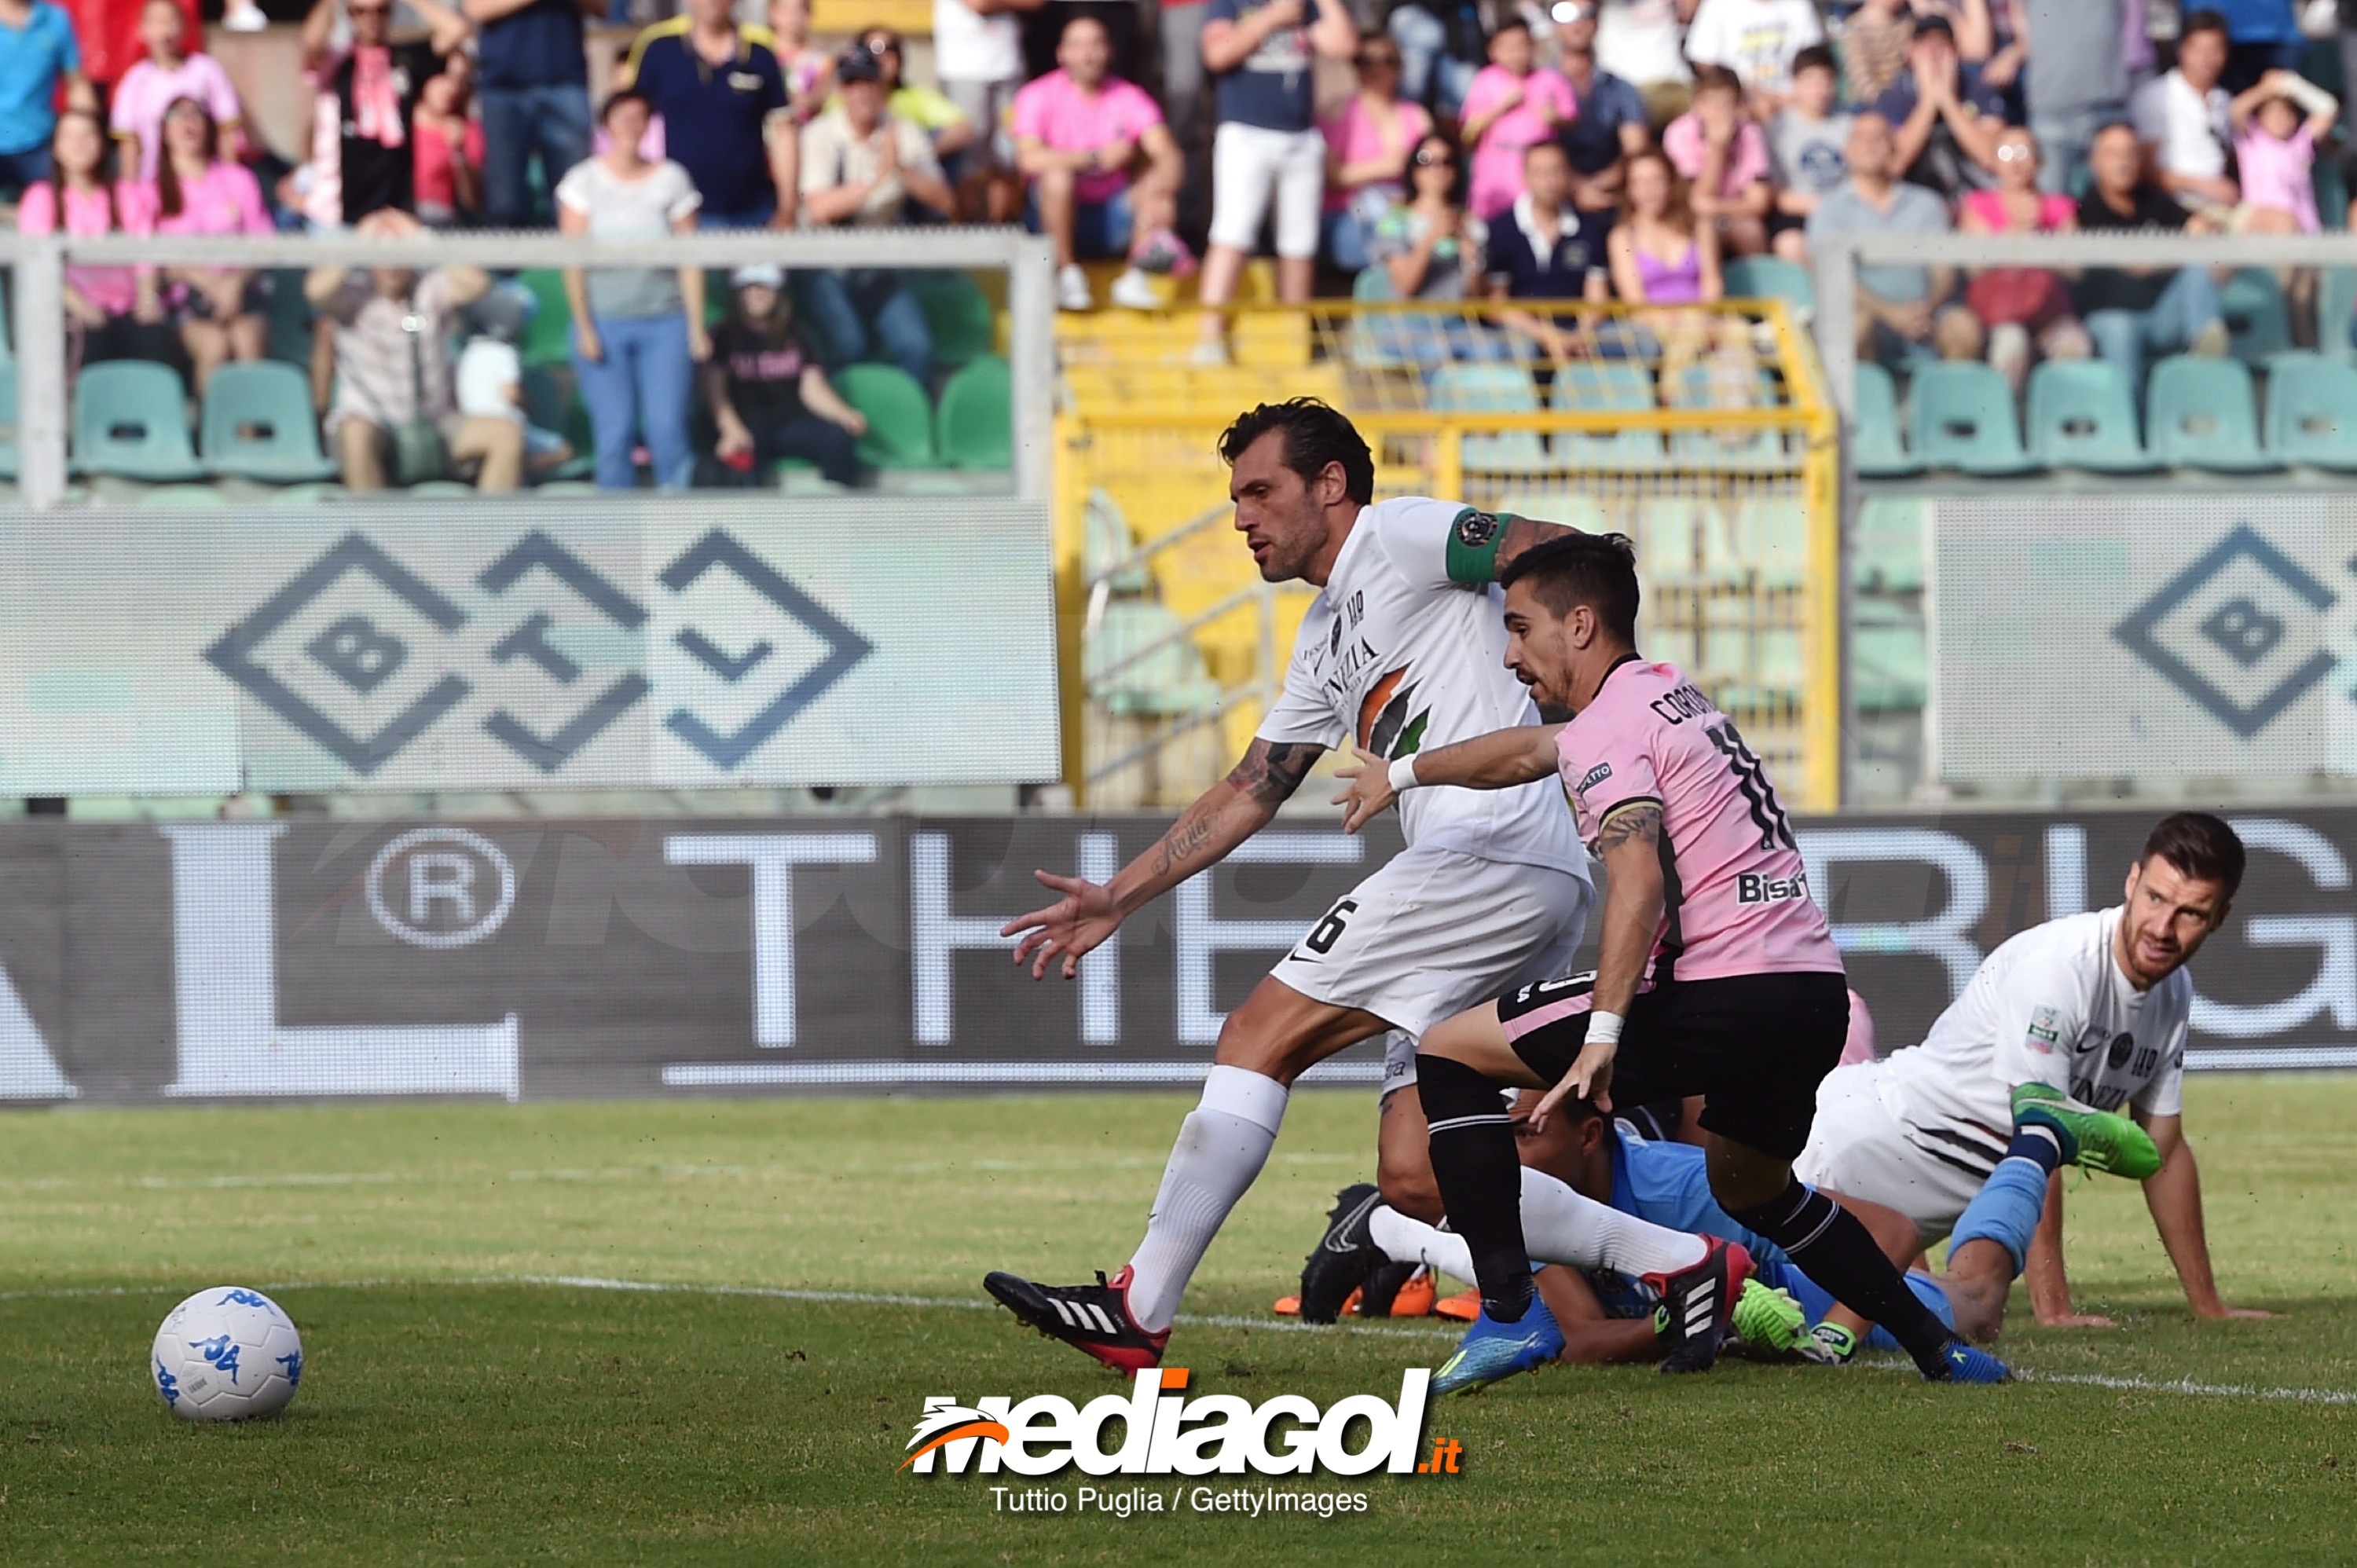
pixel 2204 21
pixel 1709 77
pixel 1456 163
pixel 103 173
pixel 168 198
pixel 2198 844
pixel 2108 126
pixel 1511 25
pixel 1817 56
pixel 628 95
pixel 1599 570
pixel 1315 433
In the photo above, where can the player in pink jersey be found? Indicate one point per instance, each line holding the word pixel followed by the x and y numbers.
pixel 1712 954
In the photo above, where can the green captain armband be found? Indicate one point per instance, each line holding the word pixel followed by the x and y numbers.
pixel 1473 540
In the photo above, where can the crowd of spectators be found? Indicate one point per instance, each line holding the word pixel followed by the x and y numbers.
pixel 1416 149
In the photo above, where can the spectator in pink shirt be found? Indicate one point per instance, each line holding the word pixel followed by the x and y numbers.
pixel 197 191
pixel 112 313
pixel 1368 144
pixel 447 170
pixel 1513 104
pixel 1104 169
pixel 169 73
pixel 2276 125
pixel 1725 158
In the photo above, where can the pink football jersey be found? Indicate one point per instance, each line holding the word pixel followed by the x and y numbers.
pixel 1735 891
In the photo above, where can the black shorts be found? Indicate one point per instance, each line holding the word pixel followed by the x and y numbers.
pixel 1755 1046
pixel 1785 223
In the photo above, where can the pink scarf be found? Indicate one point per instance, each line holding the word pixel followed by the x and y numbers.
pixel 376 106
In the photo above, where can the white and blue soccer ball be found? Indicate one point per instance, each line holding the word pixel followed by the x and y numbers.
pixel 227 1354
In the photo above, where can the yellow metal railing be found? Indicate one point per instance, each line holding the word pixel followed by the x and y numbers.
pixel 1703 434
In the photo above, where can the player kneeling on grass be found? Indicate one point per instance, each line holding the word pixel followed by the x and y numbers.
pixel 1712 954
pixel 2059 1028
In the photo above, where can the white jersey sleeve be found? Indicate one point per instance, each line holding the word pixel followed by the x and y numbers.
pixel 2042 1008
pixel 1302 711
pixel 1415 534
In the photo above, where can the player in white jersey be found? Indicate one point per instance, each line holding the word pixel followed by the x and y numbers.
pixel 1403 649
pixel 2057 1030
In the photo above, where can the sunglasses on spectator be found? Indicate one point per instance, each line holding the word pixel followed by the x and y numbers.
pixel 2015 153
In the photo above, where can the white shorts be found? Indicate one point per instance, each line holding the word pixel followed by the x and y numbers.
pixel 1857 1146
pixel 1433 933
pixel 987 104
pixel 1251 167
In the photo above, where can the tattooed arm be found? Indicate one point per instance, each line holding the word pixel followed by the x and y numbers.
pixel 1629 844
pixel 1224 816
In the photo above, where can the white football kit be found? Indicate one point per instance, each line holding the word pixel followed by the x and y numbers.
pixel 1921 1128
pixel 1493 888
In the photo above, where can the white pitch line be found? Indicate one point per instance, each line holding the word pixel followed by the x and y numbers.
pixel 2183 1386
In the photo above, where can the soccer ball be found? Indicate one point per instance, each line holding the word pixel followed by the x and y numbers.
pixel 226 1354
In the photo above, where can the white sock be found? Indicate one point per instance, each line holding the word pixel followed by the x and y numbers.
pixel 1559 1226
pixel 1221 1148
pixel 1405 1240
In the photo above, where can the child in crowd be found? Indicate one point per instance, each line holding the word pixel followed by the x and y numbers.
pixel 808 70
pixel 770 396
pixel 1807 151
pixel 168 73
pixel 447 172
pixel 490 374
pixel 1874 46
pixel 1514 104
pixel 1725 158
pixel 2277 124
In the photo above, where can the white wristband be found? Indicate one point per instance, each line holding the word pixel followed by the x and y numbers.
pixel 1403 774
pixel 1604 1028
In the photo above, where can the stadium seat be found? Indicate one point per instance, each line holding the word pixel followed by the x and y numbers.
pixel 2201 415
pixel 974 426
pixel 2258 319
pixel 1769 277
pixel 1962 418
pixel 131 420
pixel 1669 529
pixel 1887 552
pixel 1772 534
pixel 1889 668
pixel 2082 416
pixel 258 424
pixel 1576 507
pixel 1166 683
pixel 549 403
pixel 2336 311
pixel 1492 389
pixel 7 419
pixel 1723 385
pixel 548 337
pixel 963 326
pixel 1876 450
pixel 2312 412
pixel 1106 538
pixel 1596 385
pixel 900 420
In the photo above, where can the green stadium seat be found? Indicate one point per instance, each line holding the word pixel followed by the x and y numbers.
pixel 1877 451
pixel 1889 666
pixel 1669 531
pixel 2201 413
pixel 548 337
pixel 974 426
pixel 1772 533
pixel 2336 310
pixel 549 403
pixel 2332 192
pixel 1887 552
pixel 131 420
pixel 1576 507
pixel 2082 416
pixel 899 419
pixel 958 313
pixel 1769 277
pixel 1492 389
pixel 1622 386
pixel 1165 683
pixel 1106 539
pixel 2258 319
pixel 1962 418
pixel 7 419
pixel 258 424
pixel 2312 412
pixel 1706 386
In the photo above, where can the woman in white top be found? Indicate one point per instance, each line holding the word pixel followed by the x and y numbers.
pixel 638 332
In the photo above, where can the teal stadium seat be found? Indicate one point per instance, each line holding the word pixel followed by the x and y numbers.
pixel 131 420
pixel 1769 277
pixel 2258 317
pixel 2336 311
pixel 957 313
pixel 7 419
pixel 2202 415
pixel 1962 418
pixel 1877 451
pixel 899 419
pixel 258 424
pixel 974 426
pixel 1618 386
pixel 1165 683
pixel 2082 416
pixel 1890 667
pixel 2312 412
pixel 1887 552
pixel 1723 385
pixel 1106 539
pixel 1492 389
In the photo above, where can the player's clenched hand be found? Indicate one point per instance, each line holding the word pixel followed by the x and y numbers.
pixel 1367 791
pixel 1085 916
pixel 1590 1078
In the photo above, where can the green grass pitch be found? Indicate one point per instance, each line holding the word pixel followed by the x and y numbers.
pixel 461 1405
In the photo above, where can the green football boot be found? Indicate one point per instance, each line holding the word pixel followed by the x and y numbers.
pixel 2097 1139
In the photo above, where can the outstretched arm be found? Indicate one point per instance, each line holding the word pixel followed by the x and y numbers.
pixel 1629 841
pixel 1224 816
pixel 1499 760
pixel 1589 1337
pixel 2174 1194
pixel 2050 1285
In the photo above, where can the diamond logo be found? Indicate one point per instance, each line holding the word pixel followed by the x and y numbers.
pixel 2241 631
